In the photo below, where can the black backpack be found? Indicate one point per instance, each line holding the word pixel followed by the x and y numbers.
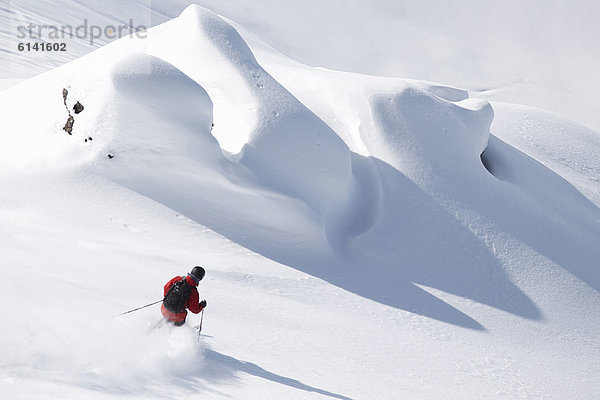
pixel 177 297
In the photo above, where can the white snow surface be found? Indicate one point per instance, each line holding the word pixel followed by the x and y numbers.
pixel 540 54
pixel 364 237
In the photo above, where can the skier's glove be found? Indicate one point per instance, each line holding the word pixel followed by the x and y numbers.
pixel 203 304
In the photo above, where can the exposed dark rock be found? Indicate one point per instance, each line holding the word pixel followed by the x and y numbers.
pixel 69 125
pixel 78 107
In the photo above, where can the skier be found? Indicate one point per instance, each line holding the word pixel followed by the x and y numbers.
pixel 181 294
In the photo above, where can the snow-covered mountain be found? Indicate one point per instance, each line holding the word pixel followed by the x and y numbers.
pixel 525 52
pixel 364 237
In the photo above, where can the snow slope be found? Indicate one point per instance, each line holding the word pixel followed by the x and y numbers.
pixel 365 237
pixel 541 55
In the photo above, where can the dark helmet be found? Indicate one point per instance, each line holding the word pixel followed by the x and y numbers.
pixel 198 272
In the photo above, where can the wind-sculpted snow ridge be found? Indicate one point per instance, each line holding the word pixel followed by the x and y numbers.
pixel 191 119
pixel 427 138
pixel 299 165
pixel 283 147
pixel 281 142
pixel 138 106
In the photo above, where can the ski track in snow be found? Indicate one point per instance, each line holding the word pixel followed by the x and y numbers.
pixel 392 229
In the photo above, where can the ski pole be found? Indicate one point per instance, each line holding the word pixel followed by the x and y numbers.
pixel 200 326
pixel 139 308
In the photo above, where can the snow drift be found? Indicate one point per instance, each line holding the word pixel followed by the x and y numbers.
pixel 422 160
pixel 393 190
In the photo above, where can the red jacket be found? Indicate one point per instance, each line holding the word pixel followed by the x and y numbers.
pixel 193 303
